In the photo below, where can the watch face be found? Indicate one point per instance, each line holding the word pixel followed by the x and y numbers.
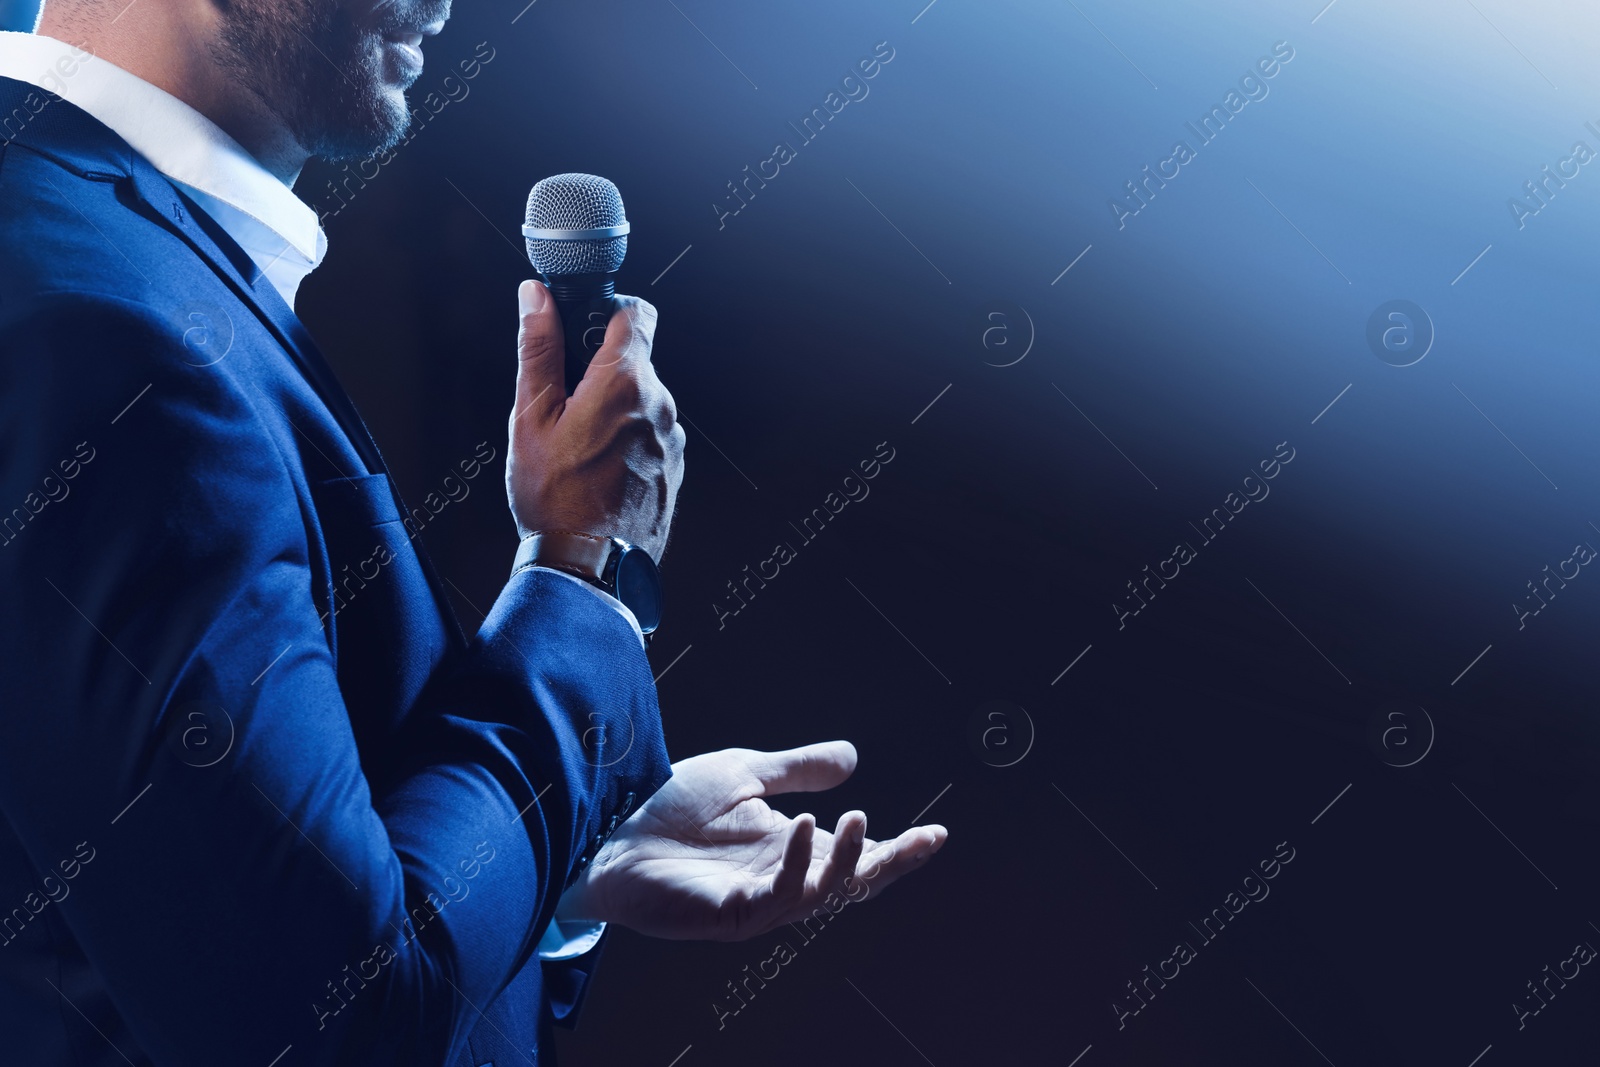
pixel 639 587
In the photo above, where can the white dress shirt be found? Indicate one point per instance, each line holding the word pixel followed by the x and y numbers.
pixel 277 229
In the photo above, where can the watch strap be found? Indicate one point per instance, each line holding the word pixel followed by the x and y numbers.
pixel 580 554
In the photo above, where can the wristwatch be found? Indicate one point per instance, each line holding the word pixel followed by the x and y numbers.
pixel 613 565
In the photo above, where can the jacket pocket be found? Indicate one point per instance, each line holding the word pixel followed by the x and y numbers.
pixel 371 497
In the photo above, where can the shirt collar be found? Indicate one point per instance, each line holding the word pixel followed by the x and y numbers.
pixel 279 232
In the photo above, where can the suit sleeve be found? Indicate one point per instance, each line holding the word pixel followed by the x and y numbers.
pixel 173 711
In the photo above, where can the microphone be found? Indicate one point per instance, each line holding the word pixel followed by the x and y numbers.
pixel 577 235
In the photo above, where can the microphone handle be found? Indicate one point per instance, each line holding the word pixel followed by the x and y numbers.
pixel 586 303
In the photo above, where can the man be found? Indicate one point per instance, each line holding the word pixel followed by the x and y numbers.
pixel 263 802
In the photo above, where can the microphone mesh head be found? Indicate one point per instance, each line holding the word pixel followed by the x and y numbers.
pixel 575 202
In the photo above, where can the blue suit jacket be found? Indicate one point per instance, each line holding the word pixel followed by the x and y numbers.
pixel 259 791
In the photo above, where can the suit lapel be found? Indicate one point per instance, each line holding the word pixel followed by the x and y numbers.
pixel 175 211
pixel 166 205
pixel 90 149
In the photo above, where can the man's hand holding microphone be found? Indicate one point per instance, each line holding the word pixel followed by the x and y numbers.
pixel 608 459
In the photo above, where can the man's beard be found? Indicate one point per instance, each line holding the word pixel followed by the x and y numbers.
pixel 319 73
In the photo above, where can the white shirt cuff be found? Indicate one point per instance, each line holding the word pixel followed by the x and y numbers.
pixel 563 940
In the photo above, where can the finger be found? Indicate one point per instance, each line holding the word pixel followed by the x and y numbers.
pixel 541 373
pixel 848 840
pixel 887 862
pixel 808 769
pixel 630 333
pixel 789 880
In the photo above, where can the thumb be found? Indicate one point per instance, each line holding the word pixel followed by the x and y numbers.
pixel 808 769
pixel 541 372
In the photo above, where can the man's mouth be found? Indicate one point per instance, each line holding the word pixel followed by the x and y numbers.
pixel 408 40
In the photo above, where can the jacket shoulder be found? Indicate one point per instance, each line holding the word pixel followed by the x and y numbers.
pixel 67 229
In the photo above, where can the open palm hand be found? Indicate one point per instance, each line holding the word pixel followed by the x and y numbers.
pixel 706 857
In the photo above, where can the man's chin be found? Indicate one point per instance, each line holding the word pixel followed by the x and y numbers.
pixel 398 113
pixel 348 145
pixel 381 120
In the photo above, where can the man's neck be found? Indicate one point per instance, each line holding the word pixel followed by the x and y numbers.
pixel 175 51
